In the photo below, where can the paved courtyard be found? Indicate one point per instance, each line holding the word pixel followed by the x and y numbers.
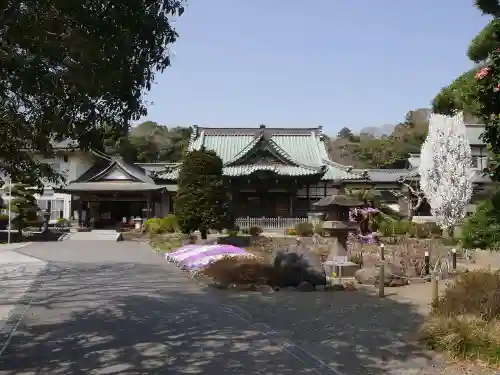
pixel 118 308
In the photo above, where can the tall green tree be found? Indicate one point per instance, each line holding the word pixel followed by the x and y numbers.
pixel 486 92
pixel 75 69
pixel 153 142
pixel 24 205
pixel 202 200
pixel 461 94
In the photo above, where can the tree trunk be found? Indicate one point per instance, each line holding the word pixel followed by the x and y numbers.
pixel 203 232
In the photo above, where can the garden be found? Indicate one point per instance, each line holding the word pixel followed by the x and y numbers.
pixel 462 322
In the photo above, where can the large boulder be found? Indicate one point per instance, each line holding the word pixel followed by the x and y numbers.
pixel 294 267
pixel 393 275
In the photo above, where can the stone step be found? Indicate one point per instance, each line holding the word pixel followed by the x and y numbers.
pixel 95 235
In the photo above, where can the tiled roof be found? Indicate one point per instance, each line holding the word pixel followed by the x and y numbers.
pixel 75 187
pixel 303 149
pixel 479 178
pixel 384 175
pixel 105 164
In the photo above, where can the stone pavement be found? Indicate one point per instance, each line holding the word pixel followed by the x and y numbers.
pixel 18 282
pixel 119 308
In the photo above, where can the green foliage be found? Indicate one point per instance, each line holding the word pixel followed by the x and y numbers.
pixel 482 229
pixel 153 142
pixel 168 242
pixel 462 94
pixel 485 42
pixel 202 201
pixel 387 228
pixel 232 232
pixel 304 229
pixel 318 228
pixel 157 225
pixel 458 96
pixel 345 133
pixel 76 70
pixel 392 151
pixel 24 206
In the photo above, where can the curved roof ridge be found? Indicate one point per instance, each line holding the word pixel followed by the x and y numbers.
pixel 132 172
pixel 240 155
pixel 347 168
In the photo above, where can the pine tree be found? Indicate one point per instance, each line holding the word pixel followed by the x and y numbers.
pixel 24 205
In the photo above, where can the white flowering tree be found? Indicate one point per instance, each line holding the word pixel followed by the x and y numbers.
pixel 446 176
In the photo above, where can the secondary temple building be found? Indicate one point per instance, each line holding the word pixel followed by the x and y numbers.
pixel 275 176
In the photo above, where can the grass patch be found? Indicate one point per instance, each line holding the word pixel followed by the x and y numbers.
pixel 465 321
pixel 165 243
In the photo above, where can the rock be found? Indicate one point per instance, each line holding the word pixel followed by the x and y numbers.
pixel 294 267
pixel 367 276
pixel 393 275
pixel 306 286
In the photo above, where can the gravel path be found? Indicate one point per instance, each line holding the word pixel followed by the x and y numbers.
pixel 119 308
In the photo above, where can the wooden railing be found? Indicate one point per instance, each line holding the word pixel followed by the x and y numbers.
pixel 269 223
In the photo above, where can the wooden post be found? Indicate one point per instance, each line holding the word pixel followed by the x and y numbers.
pixel 434 287
pixel 381 276
pixel 148 206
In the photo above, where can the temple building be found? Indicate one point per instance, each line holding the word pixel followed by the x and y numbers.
pixel 275 176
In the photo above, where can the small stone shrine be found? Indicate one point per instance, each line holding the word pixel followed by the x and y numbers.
pixel 337 224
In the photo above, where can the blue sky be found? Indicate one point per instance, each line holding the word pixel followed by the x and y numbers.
pixel 298 63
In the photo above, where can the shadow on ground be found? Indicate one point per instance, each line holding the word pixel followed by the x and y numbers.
pixel 131 318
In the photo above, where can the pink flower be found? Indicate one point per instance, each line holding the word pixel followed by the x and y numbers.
pixel 482 73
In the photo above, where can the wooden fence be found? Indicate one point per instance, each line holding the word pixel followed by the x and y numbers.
pixel 269 223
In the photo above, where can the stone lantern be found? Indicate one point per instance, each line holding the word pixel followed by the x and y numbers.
pixel 337 224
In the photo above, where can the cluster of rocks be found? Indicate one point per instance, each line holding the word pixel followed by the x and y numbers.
pixel 298 268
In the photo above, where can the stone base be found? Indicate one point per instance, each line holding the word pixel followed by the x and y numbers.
pixel 347 271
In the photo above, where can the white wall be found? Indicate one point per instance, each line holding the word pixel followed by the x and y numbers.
pixel 72 164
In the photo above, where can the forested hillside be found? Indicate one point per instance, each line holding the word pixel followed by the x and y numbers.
pixel 152 142
pixel 391 151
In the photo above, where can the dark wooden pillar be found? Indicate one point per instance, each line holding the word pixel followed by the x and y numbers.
pixel 148 206
pixel 80 209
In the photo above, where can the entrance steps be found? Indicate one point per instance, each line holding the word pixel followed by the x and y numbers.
pixel 95 235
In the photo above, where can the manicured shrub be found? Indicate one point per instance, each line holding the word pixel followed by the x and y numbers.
pixel 304 229
pixel 402 227
pixel 318 228
pixel 386 227
pixel 482 229
pixel 422 230
pixel 255 231
pixel 157 225
pixel 170 223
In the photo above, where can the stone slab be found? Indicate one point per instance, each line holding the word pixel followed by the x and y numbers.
pixel 18 277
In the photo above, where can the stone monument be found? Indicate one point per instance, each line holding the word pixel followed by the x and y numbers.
pixel 337 225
